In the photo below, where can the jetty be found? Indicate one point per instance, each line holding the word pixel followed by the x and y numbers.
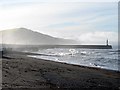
pixel 107 46
pixel 37 47
pixel 78 46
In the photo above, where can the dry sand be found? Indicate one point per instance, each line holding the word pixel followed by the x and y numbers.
pixel 20 71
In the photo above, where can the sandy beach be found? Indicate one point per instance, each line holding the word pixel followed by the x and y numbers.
pixel 20 71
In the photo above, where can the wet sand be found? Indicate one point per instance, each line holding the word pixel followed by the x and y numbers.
pixel 20 71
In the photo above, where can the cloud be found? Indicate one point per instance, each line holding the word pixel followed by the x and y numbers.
pixel 99 37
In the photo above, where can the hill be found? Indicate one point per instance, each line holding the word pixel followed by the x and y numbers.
pixel 28 37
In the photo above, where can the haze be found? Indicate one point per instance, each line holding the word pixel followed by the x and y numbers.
pixel 87 22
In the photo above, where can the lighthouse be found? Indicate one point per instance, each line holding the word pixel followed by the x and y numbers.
pixel 107 42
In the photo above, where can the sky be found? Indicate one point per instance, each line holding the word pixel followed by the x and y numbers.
pixel 87 21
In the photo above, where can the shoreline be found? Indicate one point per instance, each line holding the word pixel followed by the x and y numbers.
pixel 30 53
pixel 89 67
pixel 81 66
pixel 39 73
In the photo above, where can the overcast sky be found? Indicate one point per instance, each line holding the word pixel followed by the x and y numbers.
pixel 88 22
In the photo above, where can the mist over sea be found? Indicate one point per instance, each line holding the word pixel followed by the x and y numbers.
pixel 101 58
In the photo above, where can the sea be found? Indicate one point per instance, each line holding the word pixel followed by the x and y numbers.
pixel 100 58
